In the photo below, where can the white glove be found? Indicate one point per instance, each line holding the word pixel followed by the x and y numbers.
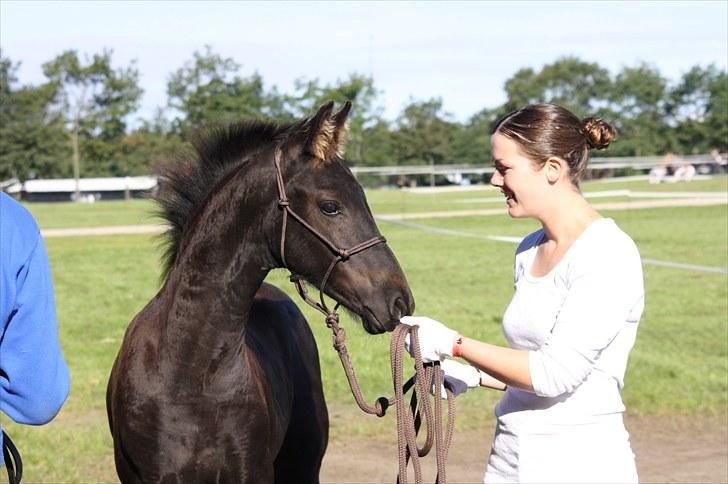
pixel 457 378
pixel 436 339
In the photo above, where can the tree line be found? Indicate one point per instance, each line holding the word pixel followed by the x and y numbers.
pixel 77 121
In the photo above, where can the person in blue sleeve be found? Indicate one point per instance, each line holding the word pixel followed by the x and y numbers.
pixel 34 379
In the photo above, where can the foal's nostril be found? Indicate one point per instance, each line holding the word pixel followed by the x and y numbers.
pixel 399 309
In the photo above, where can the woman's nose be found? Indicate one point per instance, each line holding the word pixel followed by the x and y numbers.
pixel 496 180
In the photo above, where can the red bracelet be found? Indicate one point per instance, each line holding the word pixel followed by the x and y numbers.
pixel 457 348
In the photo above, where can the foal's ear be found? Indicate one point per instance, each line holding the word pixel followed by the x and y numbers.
pixel 340 127
pixel 326 132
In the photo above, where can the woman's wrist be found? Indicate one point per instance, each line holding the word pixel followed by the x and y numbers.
pixel 457 347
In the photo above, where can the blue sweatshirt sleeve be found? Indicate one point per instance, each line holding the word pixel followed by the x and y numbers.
pixel 34 379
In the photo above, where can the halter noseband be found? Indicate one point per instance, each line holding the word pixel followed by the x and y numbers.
pixel 341 255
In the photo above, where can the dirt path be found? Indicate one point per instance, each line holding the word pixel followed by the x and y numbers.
pixel 668 449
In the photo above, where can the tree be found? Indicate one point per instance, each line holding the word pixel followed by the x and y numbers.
pixel 32 139
pixel 358 89
pixel 146 149
pixel 580 86
pixel 94 100
pixel 208 90
pixel 522 89
pixel 378 146
pixel 638 109
pixel 472 145
pixel 424 135
pixel 699 110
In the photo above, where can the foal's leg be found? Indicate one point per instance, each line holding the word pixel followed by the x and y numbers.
pixel 287 335
pixel 299 459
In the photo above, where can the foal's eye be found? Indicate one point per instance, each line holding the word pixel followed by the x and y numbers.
pixel 330 208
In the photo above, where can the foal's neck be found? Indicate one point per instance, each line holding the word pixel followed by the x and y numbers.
pixel 222 262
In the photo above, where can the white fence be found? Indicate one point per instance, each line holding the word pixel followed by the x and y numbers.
pixel 126 187
pixel 606 163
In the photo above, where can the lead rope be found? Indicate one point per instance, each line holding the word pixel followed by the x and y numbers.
pixel 409 418
pixel 13 462
pixel 428 376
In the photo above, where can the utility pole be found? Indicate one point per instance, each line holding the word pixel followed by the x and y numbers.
pixel 74 143
pixel 76 159
pixel 432 171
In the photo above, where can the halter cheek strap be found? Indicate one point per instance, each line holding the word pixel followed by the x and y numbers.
pixel 341 255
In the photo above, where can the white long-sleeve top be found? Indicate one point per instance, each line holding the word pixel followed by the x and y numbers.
pixel 579 323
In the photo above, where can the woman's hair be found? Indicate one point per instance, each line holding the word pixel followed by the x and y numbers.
pixel 543 131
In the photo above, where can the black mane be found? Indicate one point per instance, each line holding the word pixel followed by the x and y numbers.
pixel 186 184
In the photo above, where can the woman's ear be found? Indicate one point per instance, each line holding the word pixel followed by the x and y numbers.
pixel 556 168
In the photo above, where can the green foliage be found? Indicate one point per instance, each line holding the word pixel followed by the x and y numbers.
pixel 149 147
pixel 33 142
pixel 569 81
pixel 357 89
pixel 94 100
pixel 424 134
pixel 208 89
pixel 638 108
pixel 700 110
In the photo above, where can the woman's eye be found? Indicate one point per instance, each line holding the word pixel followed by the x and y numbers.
pixel 329 208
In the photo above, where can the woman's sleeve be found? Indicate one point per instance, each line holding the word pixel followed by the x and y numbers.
pixel 34 379
pixel 605 294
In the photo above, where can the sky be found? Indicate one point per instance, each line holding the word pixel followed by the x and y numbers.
pixel 462 52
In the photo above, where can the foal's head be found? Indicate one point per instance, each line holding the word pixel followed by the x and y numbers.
pixel 203 193
pixel 323 191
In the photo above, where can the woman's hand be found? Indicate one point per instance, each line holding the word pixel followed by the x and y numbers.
pixel 436 339
pixel 458 377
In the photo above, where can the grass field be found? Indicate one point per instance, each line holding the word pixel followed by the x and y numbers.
pixel 679 364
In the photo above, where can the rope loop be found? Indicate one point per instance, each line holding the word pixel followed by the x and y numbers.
pixel 283 202
pixel 381 405
pixel 344 255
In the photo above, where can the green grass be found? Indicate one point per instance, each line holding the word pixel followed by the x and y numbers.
pixel 100 214
pixel 679 363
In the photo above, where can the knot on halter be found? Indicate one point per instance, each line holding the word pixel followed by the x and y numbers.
pixel 338 334
pixel 344 255
pixel 283 202
pixel 332 320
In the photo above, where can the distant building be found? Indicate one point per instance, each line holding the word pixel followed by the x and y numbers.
pixel 92 189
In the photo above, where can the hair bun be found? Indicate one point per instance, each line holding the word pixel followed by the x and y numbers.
pixel 599 134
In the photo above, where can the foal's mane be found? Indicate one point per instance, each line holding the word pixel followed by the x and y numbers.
pixel 187 183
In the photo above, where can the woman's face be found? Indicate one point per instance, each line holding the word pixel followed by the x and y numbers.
pixel 519 179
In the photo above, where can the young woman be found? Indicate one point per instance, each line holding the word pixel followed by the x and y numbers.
pixel 573 318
